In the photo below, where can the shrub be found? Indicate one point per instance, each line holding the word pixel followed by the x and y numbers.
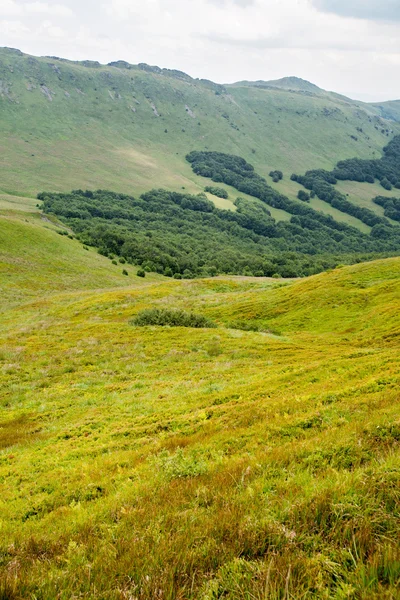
pixel 171 318
pixel 124 272
pixel 385 183
pixel 302 195
pixel 216 191
pixel 276 176
pixel 141 273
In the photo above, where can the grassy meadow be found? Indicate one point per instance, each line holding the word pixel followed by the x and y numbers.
pixel 255 460
pixel 258 460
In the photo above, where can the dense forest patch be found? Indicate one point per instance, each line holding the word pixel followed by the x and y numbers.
pixel 391 206
pixel 386 169
pixel 217 191
pixel 235 171
pixel 187 236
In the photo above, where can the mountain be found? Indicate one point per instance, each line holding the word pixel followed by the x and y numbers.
pixel 171 437
pixel 292 84
pixel 390 110
pixel 86 125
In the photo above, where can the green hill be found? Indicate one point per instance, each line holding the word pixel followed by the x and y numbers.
pixel 292 84
pixel 256 459
pixel 143 456
pixel 390 110
pixel 84 125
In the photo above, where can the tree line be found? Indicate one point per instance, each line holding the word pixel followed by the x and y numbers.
pixel 182 235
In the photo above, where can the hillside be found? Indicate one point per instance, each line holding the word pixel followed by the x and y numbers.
pixel 292 84
pixel 257 459
pixel 165 432
pixel 35 259
pixel 84 125
pixel 390 110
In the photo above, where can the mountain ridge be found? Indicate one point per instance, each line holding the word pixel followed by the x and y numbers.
pixel 289 83
pixel 56 114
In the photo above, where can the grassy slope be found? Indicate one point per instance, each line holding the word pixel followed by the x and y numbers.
pixel 390 110
pixel 34 260
pixel 178 463
pixel 91 137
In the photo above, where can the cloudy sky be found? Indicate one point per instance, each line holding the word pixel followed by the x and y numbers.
pixel 349 46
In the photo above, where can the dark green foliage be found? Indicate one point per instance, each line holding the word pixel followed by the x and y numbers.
pixel 391 206
pixel 124 272
pixel 386 169
pixel 180 235
pixel 276 176
pixel 235 171
pixel 217 191
pixel 321 183
pixel 171 318
pixel 186 236
pixel 302 195
pixel 385 183
pixel 141 273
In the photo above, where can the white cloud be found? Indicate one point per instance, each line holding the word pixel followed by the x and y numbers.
pixel 13 8
pixel 47 28
pixel 9 8
pixel 58 10
pixel 13 28
pixel 223 40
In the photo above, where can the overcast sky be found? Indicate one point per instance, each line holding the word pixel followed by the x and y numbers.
pixel 349 46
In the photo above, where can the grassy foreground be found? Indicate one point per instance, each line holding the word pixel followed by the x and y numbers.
pixel 178 463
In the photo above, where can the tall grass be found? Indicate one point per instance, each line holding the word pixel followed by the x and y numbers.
pixel 188 463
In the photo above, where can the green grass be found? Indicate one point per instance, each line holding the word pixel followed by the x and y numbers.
pixel 192 463
pixel 36 260
pixel 363 193
pixel 256 460
pixel 94 139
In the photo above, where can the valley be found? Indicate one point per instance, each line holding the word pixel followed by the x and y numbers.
pixel 199 374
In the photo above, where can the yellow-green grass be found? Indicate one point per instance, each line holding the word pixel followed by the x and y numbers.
pixel 36 260
pixel 181 463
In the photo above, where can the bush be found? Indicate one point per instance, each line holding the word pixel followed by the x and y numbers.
pixel 385 183
pixel 216 191
pixel 276 176
pixel 171 318
pixel 141 273
pixel 124 272
pixel 302 195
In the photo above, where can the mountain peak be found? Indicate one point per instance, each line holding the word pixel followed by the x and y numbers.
pixel 295 84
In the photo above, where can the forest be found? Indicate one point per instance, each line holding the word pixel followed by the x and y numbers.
pixel 235 171
pixel 184 236
pixel 385 169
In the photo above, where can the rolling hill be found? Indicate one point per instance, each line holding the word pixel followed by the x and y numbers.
pixel 254 457
pixel 257 458
pixel 121 126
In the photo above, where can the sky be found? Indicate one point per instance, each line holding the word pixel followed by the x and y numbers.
pixel 348 46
